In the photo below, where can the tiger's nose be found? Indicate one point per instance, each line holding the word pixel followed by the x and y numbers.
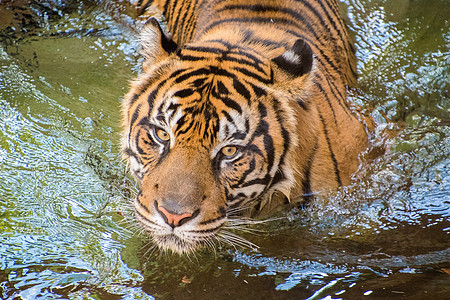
pixel 174 219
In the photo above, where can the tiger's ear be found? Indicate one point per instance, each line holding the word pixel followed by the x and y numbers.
pixel 155 43
pixel 296 61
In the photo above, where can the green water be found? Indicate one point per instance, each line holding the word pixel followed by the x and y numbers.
pixel 66 226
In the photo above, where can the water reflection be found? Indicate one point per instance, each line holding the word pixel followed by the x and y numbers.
pixel 66 230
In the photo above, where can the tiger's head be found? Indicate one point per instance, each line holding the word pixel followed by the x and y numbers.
pixel 210 132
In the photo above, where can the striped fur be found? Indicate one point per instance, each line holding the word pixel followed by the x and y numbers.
pixel 262 80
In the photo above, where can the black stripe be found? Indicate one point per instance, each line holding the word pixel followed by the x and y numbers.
pixel 179 29
pixel 306 182
pixel 253 75
pixel 190 57
pixel 244 54
pixel 227 116
pixel 293 13
pixel 284 133
pixel 173 107
pixel 135 115
pixel 203 49
pixel 184 93
pixel 266 8
pixel 319 16
pixel 259 92
pixel 252 63
pixel 152 95
pixel 241 89
pixel 262 20
pixel 329 62
pixel 251 168
pixel 255 150
pixel 181 121
pixel 201 71
pixel 178 72
pixel 198 83
pixel 325 95
pixel 131 153
pixel 339 96
pixel 335 10
pixel 145 87
pixel 189 23
pixel 222 214
pixel 239 135
pixel 333 157
pixel 218 71
pixel 279 177
pixel 142 204
pixel 165 8
pixel 336 16
pixel 144 122
pixel 302 104
pixel 297 19
pixel 170 15
pixel 139 149
pixel 133 99
pixel 142 8
pixel 231 104
pixel 263 112
pixel 270 151
pixel 222 89
pixel 215 229
pixel 261 181
pixel 231 198
pixel 212 220
pixel 221 72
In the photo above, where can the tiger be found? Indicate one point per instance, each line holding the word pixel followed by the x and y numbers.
pixel 240 105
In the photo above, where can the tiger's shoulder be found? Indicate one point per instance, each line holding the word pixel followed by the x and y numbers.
pixel 322 23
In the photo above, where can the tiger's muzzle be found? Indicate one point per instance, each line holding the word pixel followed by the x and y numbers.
pixel 181 209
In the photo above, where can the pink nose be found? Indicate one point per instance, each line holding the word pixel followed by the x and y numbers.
pixel 173 219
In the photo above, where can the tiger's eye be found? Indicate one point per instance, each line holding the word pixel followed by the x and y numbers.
pixel 229 151
pixel 162 135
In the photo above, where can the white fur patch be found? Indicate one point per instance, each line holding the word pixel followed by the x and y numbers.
pixel 227 129
pixel 291 56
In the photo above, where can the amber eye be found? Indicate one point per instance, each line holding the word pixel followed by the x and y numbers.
pixel 162 135
pixel 229 151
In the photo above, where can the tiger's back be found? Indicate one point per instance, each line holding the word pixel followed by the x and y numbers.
pixel 270 23
pixel 248 99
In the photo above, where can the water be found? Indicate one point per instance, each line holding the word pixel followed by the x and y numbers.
pixel 65 226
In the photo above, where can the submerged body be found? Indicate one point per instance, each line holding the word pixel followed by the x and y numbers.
pixel 247 99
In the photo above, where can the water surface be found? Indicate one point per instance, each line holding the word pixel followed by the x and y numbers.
pixel 66 229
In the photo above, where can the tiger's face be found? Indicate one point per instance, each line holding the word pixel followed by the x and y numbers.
pixel 208 138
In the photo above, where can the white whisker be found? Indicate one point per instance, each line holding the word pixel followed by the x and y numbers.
pixel 234 240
